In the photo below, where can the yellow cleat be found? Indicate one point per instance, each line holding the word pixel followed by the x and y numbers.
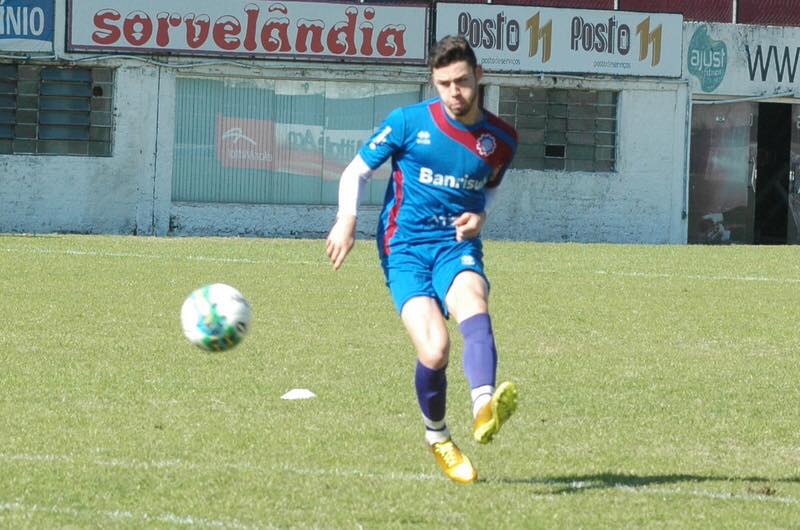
pixel 453 462
pixel 494 414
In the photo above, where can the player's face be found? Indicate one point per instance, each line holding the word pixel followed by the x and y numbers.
pixel 457 84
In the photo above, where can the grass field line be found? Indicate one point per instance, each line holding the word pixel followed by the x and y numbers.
pixel 700 277
pixel 122 515
pixel 748 497
pixel 355 473
pixel 182 464
pixel 159 257
pixel 323 262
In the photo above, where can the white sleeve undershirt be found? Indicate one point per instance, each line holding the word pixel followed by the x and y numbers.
pixel 357 173
pixel 354 176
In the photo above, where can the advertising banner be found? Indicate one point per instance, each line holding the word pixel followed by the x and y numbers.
pixel 334 31
pixel 537 39
pixel 26 25
pixel 264 141
pixel 308 150
pixel 739 60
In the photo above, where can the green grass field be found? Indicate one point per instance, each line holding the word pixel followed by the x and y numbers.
pixel 659 385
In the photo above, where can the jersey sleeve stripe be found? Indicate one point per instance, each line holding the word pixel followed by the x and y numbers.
pixel 394 212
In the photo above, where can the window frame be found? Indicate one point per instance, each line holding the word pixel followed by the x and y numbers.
pixel 57 110
pixel 563 129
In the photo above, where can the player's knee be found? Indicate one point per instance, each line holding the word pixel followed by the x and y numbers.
pixel 466 303
pixel 434 356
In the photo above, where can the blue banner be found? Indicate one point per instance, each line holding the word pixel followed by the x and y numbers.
pixel 26 25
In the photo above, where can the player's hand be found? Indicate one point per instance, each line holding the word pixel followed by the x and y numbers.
pixel 341 240
pixel 468 225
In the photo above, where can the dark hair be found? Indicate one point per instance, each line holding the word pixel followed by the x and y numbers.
pixel 449 50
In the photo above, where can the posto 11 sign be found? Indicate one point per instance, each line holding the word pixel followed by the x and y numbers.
pixel 528 38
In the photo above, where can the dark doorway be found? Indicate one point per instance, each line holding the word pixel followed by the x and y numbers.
pixel 772 177
pixel 721 166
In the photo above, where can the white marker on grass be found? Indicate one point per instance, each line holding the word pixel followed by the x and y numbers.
pixel 299 393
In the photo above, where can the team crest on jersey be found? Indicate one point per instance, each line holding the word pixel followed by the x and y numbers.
pixel 486 145
pixel 467 260
pixel 424 138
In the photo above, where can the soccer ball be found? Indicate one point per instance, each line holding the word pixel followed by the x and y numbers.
pixel 215 317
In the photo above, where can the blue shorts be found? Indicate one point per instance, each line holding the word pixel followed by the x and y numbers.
pixel 429 270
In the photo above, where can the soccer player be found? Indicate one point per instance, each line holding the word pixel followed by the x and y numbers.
pixel 448 157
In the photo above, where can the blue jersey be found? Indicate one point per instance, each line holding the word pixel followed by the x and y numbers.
pixel 440 169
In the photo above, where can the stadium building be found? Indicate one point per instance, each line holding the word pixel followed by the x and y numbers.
pixel 640 121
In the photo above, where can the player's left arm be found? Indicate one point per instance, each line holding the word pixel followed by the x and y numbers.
pixel 469 224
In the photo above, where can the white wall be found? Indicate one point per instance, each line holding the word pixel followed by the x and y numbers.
pixel 83 194
pixel 89 195
pixel 642 202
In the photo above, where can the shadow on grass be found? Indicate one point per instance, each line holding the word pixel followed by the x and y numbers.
pixel 582 483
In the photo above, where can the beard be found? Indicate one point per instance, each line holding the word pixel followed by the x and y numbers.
pixel 462 107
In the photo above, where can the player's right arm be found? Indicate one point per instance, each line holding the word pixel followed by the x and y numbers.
pixel 387 141
pixel 342 236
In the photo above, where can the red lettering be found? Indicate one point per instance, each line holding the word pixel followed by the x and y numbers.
pixel 224 28
pixel 164 23
pixel 137 28
pixel 390 41
pixel 274 44
pixel 355 34
pixel 366 32
pixel 303 31
pixel 252 12
pixel 195 38
pixel 366 41
pixel 106 33
pixel 342 38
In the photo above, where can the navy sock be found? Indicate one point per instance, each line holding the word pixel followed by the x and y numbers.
pixel 431 392
pixel 480 354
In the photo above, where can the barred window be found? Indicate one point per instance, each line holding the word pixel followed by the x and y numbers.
pixel 8 100
pixel 560 129
pixel 50 110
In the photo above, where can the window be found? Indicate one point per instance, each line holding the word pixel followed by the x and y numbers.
pixel 50 110
pixel 560 129
pixel 8 101
pixel 263 141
